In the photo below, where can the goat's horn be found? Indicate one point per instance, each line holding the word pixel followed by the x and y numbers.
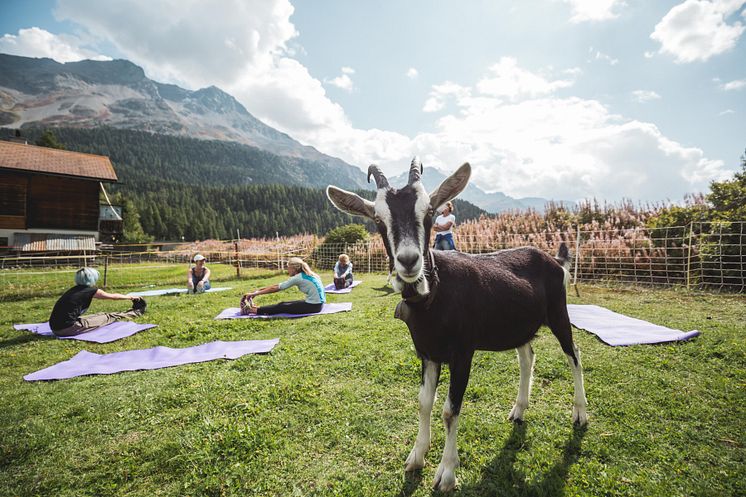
pixel 415 170
pixel 381 181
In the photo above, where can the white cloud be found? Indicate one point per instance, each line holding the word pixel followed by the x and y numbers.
pixel 344 81
pixel 594 10
pixel 553 147
pixel 242 47
pixel 521 137
pixel 191 42
pixel 37 42
pixel 506 79
pixel 734 85
pixel 412 73
pixel 696 30
pixel 727 112
pixel 643 96
pixel 598 55
pixel 440 94
pixel 570 148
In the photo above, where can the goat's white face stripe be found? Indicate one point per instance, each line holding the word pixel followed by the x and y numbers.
pixel 406 241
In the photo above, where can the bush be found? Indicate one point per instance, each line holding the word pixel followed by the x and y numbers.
pixel 349 234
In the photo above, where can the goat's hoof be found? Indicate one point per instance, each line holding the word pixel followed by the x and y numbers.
pixel 579 415
pixel 516 414
pixel 445 479
pixel 415 460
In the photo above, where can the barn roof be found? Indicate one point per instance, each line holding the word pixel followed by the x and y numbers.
pixel 46 160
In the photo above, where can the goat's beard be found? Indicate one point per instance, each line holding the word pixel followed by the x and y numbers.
pixel 408 290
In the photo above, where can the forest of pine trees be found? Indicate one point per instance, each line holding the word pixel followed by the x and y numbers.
pixel 198 190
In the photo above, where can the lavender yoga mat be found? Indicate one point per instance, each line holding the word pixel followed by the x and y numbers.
pixel 235 312
pixel 330 287
pixel 85 362
pixel 618 329
pixel 104 334
pixel 172 291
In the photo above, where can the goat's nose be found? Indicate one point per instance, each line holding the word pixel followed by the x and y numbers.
pixel 408 260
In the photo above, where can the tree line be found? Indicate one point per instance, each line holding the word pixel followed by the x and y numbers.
pixel 170 211
pixel 174 188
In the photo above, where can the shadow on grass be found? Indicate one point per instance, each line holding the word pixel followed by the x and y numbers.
pixel 500 477
pixel 387 290
pixel 20 340
pixel 412 480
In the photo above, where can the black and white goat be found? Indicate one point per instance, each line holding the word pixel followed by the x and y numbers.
pixel 455 303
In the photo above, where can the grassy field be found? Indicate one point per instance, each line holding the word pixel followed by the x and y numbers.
pixel 333 409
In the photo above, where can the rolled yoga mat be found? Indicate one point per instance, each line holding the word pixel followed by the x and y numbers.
pixel 617 329
pixel 85 363
pixel 235 312
pixel 330 287
pixel 172 291
pixel 104 334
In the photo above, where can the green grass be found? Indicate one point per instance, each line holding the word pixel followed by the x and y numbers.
pixel 333 409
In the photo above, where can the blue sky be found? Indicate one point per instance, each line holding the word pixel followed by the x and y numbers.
pixel 557 98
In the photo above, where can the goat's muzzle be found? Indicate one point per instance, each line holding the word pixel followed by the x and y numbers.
pixel 408 266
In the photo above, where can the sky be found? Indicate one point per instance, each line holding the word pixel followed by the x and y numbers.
pixel 562 99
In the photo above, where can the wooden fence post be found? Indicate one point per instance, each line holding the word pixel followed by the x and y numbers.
pixel 238 261
pixel 279 261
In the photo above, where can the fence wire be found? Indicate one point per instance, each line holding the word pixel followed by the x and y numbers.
pixel 701 256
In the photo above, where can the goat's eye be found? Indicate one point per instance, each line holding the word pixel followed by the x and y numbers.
pixel 377 220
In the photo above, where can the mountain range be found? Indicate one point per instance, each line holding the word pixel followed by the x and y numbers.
pixel 91 94
pixel 43 93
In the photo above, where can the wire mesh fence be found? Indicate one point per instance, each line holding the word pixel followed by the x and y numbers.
pixel 708 256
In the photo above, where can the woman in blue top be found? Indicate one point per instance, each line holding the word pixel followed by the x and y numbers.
pixel 343 272
pixel 301 276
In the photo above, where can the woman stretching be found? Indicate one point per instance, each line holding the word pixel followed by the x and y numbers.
pixel 198 277
pixel 67 315
pixel 301 276
pixel 343 272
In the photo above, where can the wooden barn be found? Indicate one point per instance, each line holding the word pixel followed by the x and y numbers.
pixel 49 198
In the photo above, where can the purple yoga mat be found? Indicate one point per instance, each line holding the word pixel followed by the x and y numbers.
pixel 330 287
pixel 172 291
pixel 618 329
pixel 85 362
pixel 235 312
pixel 104 334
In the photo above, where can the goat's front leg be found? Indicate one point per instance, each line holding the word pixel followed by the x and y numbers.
pixel 430 376
pixel 445 477
pixel 526 358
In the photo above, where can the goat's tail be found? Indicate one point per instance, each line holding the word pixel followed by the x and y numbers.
pixel 564 259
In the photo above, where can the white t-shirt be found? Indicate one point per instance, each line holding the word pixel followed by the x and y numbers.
pixel 443 220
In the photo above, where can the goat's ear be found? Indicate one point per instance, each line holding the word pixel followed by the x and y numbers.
pixel 350 203
pixel 451 186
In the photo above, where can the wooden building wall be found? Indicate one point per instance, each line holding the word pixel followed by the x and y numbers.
pixel 13 191
pixel 47 202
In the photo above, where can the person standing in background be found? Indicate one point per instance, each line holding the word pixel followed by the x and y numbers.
pixel 443 228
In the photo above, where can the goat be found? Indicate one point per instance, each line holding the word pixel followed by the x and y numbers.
pixel 455 303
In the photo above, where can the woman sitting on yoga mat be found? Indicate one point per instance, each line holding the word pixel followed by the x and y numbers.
pixel 198 276
pixel 301 276
pixel 343 272
pixel 67 320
